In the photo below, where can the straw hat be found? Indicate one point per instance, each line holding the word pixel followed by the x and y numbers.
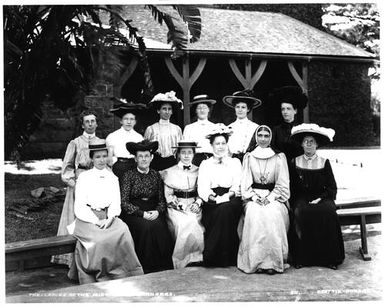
pixel 168 97
pixel 322 135
pixel 242 96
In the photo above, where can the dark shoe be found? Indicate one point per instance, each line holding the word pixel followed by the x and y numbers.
pixel 332 266
pixel 259 271
pixel 270 271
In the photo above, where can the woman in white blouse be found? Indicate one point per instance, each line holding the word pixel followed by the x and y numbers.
pixel 219 187
pixel 105 249
pixel 184 207
pixel 265 191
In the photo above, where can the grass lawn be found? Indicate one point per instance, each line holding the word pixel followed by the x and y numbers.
pixel 43 223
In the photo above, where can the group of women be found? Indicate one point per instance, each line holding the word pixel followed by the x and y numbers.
pixel 222 213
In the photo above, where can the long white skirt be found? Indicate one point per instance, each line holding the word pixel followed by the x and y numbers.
pixel 187 232
pixel 263 235
pixel 103 254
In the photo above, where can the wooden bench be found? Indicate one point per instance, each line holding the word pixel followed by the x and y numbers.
pixel 19 255
pixel 361 216
pixel 37 253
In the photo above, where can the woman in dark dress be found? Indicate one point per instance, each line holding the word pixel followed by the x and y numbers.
pixel 289 100
pixel 219 187
pixel 143 210
pixel 317 231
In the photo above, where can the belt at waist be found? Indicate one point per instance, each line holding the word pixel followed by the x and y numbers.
pixel 220 190
pixel 183 194
pixel 120 159
pixel 267 186
pixel 82 167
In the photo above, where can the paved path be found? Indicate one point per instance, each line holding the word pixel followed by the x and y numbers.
pixel 354 280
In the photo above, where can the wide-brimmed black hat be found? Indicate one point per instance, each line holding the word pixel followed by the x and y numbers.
pixel 202 99
pixel 246 96
pixel 186 144
pixel 144 145
pixel 122 107
pixel 169 97
pixel 289 94
pixel 322 135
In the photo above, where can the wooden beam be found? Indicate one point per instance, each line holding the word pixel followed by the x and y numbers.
pixel 305 73
pixel 126 75
pixel 237 73
pixel 173 71
pixel 295 75
pixel 185 81
pixel 258 74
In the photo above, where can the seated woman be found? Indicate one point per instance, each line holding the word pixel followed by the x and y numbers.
pixel 143 209
pixel 265 191
pixel 105 249
pixel 184 206
pixel 318 239
pixel 219 187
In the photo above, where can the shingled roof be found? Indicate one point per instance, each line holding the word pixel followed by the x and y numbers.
pixel 250 32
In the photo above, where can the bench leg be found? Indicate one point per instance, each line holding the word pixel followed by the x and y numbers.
pixel 364 241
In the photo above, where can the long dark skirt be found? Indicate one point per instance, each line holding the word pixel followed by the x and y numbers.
pixel 221 238
pixel 318 238
pixel 153 241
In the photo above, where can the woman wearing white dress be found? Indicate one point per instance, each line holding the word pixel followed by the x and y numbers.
pixel 104 248
pixel 184 207
pixel 265 191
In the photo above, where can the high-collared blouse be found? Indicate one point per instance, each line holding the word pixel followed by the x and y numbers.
pixel 274 169
pixel 243 131
pixel 96 189
pixel 178 178
pixel 197 132
pixel 77 153
pixel 167 134
pixel 138 185
pixel 214 173
pixel 118 139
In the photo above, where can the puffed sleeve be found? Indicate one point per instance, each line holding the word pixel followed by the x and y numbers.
pixel 168 191
pixel 114 192
pixel 161 201
pixel 111 155
pixel 149 133
pixel 125 187
pixel 330 183
pixel 82 211
pixel 68 167
pixel 187 135
pixel 236 172
pixel 204 181
pixel 281 190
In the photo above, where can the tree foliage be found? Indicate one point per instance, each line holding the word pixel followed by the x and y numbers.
pixel 52 52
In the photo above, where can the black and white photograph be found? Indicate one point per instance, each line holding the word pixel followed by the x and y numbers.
pixel 191 152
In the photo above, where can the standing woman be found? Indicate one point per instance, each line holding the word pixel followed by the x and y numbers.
pixel 318 238
pixel 76 160
pixel 143 209
pixel 184 206
pixel 197 131
pixel 104 248
pixel 219 187
pixel 265 191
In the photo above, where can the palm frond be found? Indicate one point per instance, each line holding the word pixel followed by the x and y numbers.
pixel 192 17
